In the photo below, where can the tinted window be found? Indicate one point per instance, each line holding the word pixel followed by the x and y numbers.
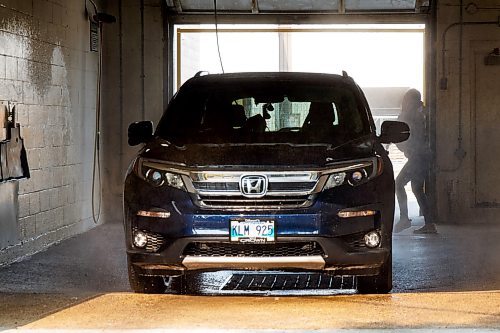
pixel 270 112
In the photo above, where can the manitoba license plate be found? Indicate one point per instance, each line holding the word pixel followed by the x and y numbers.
pixel 252 230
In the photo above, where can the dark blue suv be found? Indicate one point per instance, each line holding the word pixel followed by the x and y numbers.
pixel 262 171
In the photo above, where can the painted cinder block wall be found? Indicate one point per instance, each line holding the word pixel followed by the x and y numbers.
pixel 467 179
pixel 133 85
pixel 47 70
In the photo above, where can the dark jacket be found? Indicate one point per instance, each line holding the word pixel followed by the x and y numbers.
pixel 416 145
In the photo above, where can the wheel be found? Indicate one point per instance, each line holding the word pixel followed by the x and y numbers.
pixel 145 284
pixel 377 284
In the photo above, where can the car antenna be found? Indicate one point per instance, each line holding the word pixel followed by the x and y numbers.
pixel 345 75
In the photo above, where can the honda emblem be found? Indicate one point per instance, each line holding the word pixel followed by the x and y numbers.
pixel 253 185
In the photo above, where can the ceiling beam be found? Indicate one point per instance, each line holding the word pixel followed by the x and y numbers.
pixel 341 6
pixel 422 6
pixel 265 18
pixel 178 6
pixel 255 6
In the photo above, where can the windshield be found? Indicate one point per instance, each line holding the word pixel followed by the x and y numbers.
pixel 271 112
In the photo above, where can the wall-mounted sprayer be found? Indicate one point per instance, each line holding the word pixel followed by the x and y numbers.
pixel 96 16
pixel 97 19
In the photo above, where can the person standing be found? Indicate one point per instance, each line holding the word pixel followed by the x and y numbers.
pixel 415 169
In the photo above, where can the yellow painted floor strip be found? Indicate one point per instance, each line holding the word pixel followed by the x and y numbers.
pixel 409 310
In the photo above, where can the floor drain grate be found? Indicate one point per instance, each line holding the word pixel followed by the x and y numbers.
pixel 286 281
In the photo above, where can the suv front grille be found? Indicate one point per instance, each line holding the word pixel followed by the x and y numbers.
pixel 272 187
pixel 282 190
pixel 265 202
pixel 296 249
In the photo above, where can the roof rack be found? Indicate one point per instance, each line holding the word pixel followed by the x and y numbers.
pixel 201 73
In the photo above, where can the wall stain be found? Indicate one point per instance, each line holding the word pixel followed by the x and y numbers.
pixel 24 38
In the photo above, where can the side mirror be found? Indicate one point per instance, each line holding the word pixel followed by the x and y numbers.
pixel 140 132
pixel 394 132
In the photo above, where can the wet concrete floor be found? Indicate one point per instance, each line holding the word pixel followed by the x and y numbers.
pixel 449 280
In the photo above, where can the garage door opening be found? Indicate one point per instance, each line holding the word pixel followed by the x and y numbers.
pixel 376 56
pixel 384 59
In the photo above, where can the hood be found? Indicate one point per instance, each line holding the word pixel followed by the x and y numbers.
pixel 257 155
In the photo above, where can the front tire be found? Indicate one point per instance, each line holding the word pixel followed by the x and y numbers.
pixel 377 284
pixel 145 284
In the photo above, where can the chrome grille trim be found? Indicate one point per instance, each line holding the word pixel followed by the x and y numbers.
pixel 286 189
pixel 273 187
pixel 243 203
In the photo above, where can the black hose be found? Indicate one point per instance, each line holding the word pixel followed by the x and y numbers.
pixel 217 35
pixel 97 159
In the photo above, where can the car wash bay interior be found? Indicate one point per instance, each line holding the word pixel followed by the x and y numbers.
pixel 50 53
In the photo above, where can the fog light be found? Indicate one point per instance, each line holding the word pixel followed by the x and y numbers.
pixel 140 239
pixel 372 239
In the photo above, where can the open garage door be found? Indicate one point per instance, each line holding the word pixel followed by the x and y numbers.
pixel 386 60
pixel 386 38
pixel 297 6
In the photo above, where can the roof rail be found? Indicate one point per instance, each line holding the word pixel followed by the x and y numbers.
pixel 201 73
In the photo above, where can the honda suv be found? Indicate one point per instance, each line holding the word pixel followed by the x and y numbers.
pixel 262 171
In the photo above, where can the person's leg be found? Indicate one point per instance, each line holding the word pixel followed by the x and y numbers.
pixel 417 186
pixel 401 180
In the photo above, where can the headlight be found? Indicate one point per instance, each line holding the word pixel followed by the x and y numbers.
pixel 155 177
pixel 355 174
pixel 357 177
pixel 158 177
pixel 174 180
pixel 334 180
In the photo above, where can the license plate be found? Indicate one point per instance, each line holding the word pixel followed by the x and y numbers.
pixel 252 230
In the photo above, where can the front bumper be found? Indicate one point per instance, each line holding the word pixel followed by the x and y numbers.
pixel 337 259
pixel 187 223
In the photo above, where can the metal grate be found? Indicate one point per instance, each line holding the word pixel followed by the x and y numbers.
pixel 291 186
pixel 266 202
pixel 299 249
pixel 272 187
pixel 205 186
pixel 286 281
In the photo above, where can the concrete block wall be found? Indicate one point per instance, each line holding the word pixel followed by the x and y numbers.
pixel 47 70
pixel 132 88
pixel 456 176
